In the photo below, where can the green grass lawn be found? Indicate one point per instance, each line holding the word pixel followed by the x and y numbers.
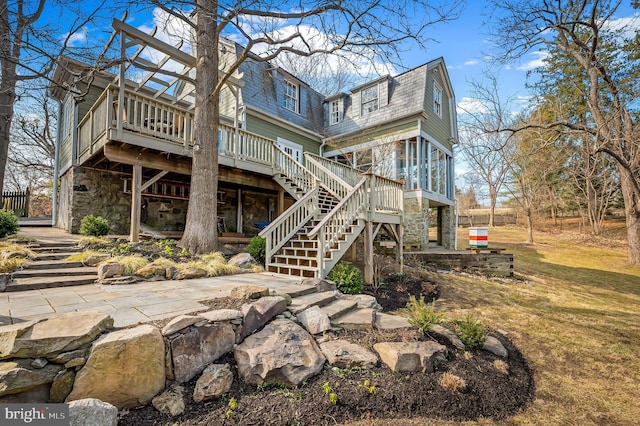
pixel 575 315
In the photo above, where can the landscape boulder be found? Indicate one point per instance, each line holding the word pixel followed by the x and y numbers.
pixel 62 386
pixel 125 368
pixel 245 292
pixel 17 376
pixel 64 332
pixel 219 315
pixel 190 273
pixel 282 352
pixel 179 323
pixel 320 284
pixel 242 261
pixel 411 356
pixel 343 354
pixel 171 401
pixel 92 412
pixel 260 312
pixel 152 270
pixel 493 345
pixel 192 351
pixel 110 269
pixel 314 319
pixel 216 380
pixel 95 259
pixel 449 335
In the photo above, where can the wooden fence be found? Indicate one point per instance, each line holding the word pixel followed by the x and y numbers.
pixel 17 201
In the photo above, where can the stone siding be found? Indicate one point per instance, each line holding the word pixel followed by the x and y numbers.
pixel 416 222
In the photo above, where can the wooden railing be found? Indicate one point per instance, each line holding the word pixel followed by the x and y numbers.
pixel 348 174
pixel 334 183
pixel 278 232
pixel 387 195
pixel 242 145
pixel 300 175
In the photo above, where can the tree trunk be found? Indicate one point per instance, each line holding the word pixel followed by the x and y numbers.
pixel 7 101
pixel 201 233
pixel 529 215
pixel 632 215
pixel 493 200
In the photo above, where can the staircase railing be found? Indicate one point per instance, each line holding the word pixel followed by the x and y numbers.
pixel 332 181
pixel 295 171
pixel 278 232
pixel 335 224
pixel 347 173
pixel 387 195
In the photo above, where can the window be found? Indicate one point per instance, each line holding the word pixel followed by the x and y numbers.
pixel 291 148
pixel 369 99
pixel 437 99
pixel 67 117
pixel 334 112
pixel 291 91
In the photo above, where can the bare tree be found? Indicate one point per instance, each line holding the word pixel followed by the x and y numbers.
pixel 365 32
pixel 481 145
pixel 582 31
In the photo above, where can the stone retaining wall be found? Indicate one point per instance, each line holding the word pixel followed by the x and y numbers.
pixel 499 265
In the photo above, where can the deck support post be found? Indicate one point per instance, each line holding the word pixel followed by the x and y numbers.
pixel 368 252
pixel 136 203
pixel 280 208
pixel 399 247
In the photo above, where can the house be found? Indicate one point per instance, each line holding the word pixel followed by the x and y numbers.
pixel 309 173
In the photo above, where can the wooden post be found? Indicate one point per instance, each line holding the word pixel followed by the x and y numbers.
pixel 239 224
pixel 399 246
pixel 368 252
pixel 280 208
pixel 136 202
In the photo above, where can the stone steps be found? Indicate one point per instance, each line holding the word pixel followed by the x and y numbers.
pixel 38 283
pixel 44 256
pixel 41 264
pixel 313 299
pixel 339 307
pixel 55 272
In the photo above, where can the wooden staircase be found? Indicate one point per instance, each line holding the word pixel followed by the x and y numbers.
pixel 311 237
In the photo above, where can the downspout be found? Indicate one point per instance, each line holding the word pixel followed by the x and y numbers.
pixel 56 170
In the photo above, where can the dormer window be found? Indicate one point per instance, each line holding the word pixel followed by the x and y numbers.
pixel 291 96
pixel 369 99
pixel 335 112
pixel 437 99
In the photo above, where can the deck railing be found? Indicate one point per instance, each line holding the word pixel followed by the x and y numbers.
pixel 387 194
pixel 348 174
pixel 300 175
pixel 338 186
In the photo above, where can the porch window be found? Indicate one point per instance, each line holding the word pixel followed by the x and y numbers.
pixel 291 96
pixel 369 99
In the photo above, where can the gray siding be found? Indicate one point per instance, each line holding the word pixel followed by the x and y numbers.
pixel 272 131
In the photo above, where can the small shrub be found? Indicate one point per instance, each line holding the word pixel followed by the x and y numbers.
pixel 422 315
pixel 131 263
pixel 501 366
pixel 94 225
pixel 258 248
pixel 83 256
pixel 92 240
pixel 471 332
pixel 217 257
pixel 452 382
pixel 8 223
pixel 347 277
pixel 11 264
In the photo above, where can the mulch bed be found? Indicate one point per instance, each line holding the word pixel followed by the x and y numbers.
pixel 394 293
pixel 489 393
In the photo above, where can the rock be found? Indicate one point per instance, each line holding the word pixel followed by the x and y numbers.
pixel 242 260
pixel 411 356
pixel 96 258
pixel 190 273
pixel 249 292
pixel 314 320
pixel 39 362
pixel 170 401
pixel 76 362
pixel 64 332
pixel 343 354
pixel 110 269
pixel 125 368
pixel 320 284
pixel 449 335
pixel 171 272
pixel 37 395
pixel 364 301
pixel 92 412
pixel 16 376
pixel 285 295
pixel 220 315
pixel 216 380
pixel 9 333
pixel 64 357
pixel 179 323
pixel 192 351
pixel 281 352
pixel 493 345
pixel 260 312
pixel 62 386
pixel 152 270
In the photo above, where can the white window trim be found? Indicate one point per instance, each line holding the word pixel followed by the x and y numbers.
pixel 335 116
pixel 296 148
pixel 292 94
pixel 376 99
pixel 437 101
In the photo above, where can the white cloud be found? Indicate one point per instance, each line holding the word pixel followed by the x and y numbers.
pixel 472 62
pixel 77 38
pixel 625 27
pixel 471 106
pixel 539 61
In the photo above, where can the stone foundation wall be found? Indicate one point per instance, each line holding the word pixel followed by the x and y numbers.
pixel 448 227
pixel 416 222
pixel 490 264
pixel 98 193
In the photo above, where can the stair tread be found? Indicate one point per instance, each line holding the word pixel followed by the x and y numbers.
pixel 36 283
pixel 301 267
pixel 27 273
pixel 357 319
pixel 339 307
pixel 52 264
pixel 296 290
pixel 312 299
